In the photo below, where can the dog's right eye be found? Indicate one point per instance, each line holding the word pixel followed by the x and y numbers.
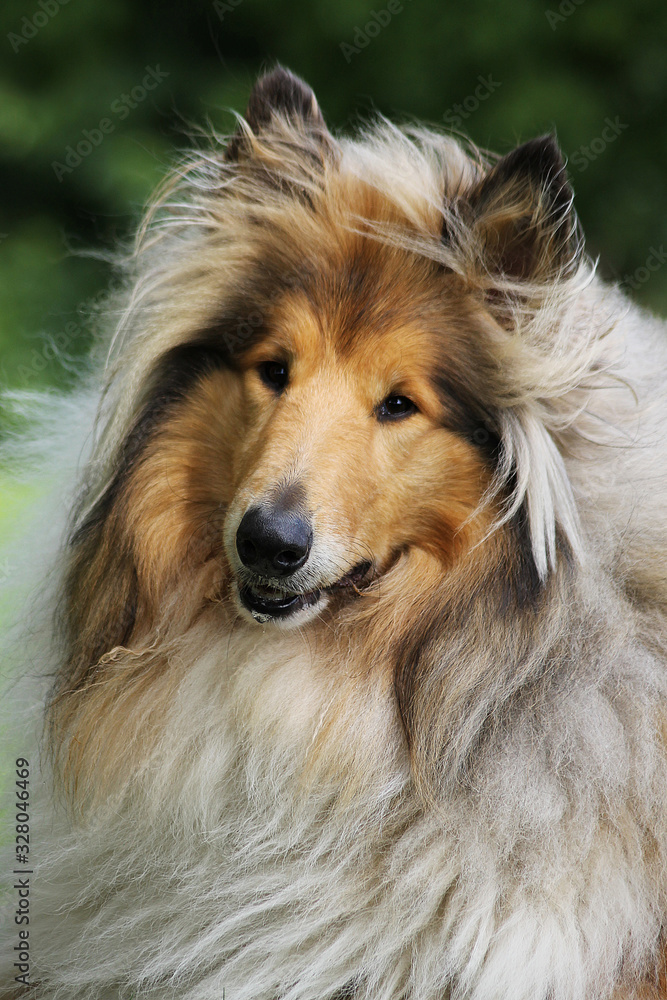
pixel 274 374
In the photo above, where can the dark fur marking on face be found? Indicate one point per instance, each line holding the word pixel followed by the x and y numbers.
pixel 350 297
pixel 173 376
pixel 512 584
pixel 114 598
pixel 465 416
pixel 222 343
pixel 290 495
pixel 518 584
pixel 246 320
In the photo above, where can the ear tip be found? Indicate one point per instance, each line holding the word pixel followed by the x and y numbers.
pixel 538 162
pixel 536 233
pixel 547 141
pixel 281 90
pixel 279 77
pixel 547 146
pixel 541 157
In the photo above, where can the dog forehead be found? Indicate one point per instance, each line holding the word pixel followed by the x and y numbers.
pixel 356 347
pixel 360 313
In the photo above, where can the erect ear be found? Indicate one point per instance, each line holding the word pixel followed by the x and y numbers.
pixel 278 94
pixel 522 213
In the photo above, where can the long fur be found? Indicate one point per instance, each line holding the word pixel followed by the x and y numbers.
pixel 452 780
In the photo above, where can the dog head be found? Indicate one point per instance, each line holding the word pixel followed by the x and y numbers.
pixel 330 384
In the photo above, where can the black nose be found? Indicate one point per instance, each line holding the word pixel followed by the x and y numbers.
pixel 273 541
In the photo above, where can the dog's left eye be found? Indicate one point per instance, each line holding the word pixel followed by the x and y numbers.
pixel 395 408
pixel 274 374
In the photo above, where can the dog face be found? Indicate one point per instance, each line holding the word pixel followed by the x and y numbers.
pixel 314 405
pixel 349 452
pixel 331 448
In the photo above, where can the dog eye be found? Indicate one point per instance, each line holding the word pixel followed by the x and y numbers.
pixel 395 408
pixel 274 374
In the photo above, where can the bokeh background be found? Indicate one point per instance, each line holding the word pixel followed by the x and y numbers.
pixel 500 70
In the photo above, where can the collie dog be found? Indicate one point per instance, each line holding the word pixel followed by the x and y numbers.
pixel 359 672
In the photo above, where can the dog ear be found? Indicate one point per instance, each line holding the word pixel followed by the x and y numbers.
pixel 523 215
pixel 278 94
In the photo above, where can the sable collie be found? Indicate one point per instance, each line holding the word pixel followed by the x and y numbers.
pixel 358 678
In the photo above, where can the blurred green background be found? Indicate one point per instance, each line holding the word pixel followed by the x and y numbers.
pixel 499 70
pixel 96 97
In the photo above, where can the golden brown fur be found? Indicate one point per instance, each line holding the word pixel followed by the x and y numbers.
pixel 443 774
pixel 414 487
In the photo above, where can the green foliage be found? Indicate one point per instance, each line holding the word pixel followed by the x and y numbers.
pixel 573 65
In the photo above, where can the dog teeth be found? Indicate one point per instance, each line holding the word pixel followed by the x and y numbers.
pixel 270 592
pixel 259 617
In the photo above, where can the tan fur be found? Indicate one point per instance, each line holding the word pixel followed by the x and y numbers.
pixel 228 445
pixel 449 779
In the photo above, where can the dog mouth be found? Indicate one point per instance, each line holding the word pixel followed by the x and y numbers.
pixel 266 603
